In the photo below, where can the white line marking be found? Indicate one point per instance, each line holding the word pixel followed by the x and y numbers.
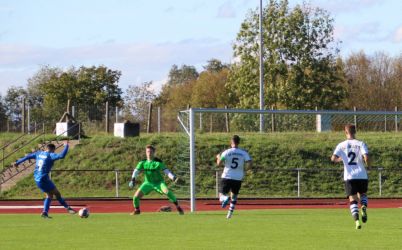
pixel 29 207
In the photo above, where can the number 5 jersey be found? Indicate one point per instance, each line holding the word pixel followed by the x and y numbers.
pixel 234 163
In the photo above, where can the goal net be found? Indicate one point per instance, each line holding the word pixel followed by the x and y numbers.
pixel 290 150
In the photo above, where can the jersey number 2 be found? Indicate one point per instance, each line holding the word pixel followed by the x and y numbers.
pixel 351 157
pixel 235 164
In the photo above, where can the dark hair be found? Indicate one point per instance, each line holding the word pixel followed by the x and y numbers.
pixel 51 146
pixel 350 128
pixel 236 139
pixel 150 147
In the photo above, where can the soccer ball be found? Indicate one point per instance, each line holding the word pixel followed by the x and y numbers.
pixel 83 213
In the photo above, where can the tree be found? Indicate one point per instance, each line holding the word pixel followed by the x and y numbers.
pixel 136 102
pixel 300 68
pixel 210 91
pixel 3 116
pixel 84 87
pixel 182 75
pixel 373 82
pixel 215 65
pixel 13 103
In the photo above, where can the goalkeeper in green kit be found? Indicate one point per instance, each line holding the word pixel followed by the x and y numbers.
pixel 153 181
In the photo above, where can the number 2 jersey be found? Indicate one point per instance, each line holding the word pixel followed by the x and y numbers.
pixel 234 159
pixel 44 162
pixel 351 152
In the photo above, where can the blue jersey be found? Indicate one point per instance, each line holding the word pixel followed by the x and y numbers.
pixel 44 162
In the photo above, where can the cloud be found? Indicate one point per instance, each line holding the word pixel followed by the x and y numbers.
pixel 138 62
pixel 398 35
pixel 340 6
pixel 226 10
pixel 365 32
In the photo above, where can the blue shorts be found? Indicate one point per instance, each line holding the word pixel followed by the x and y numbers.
pixel 45 185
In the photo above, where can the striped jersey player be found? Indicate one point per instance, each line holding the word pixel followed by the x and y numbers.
pixel 355 156
pixel 235 159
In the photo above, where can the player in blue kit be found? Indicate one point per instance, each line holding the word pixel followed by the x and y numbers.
pixel 43 166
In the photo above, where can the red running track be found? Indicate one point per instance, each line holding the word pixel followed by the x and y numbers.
pixel 153 205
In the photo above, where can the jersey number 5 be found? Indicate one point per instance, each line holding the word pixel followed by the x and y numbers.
pixel 235 164
pixel 352 157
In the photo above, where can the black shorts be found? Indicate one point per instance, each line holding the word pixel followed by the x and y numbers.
pixel 230 185
pixel 353 187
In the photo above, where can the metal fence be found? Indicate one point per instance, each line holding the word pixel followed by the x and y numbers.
pixel 272 182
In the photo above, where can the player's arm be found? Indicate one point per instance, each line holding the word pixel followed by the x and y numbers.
pixel 366 159
pixel 62 154
pixel 335 158
pixel 172 176
pixel 27 157
pixel 365 152
pixel 219 160
pixel 249 164
pixel 133 177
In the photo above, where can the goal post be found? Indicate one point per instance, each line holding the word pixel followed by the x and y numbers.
pixel 247 121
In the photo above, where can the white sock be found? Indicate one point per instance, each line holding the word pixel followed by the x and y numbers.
pixel 223 198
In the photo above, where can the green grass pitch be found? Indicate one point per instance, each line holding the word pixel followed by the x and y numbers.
pixel 252 229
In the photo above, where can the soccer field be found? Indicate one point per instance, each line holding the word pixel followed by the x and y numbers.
pixel 248 229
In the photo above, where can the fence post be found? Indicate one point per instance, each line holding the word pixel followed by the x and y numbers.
pixel 272 120
pixel 355 117
pixel 200 121
pixel 149 118
pixel 73 111
pixel 298 182
pixel 227 121
pixel 116 172
pixel 396 120
pixel 385 123
pixel 159 119
pixel 380 181
pixel 117 114
pixel 217 183
pixel 23 116
pixel 107 118
pixel 28 119
pixel 43 131
pixel 79 131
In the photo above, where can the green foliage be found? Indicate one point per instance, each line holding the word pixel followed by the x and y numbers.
pixel 84 86
pixel 275 156
pixel 299 61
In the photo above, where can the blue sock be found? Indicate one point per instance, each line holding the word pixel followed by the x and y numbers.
pixel 46 205
pixel 62 202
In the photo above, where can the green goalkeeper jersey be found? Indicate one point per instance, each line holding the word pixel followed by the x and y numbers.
pixel 152 170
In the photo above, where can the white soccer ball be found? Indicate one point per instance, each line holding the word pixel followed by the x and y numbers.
pixel 84 212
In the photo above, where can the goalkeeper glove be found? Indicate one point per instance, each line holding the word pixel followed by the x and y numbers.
pixel 131 183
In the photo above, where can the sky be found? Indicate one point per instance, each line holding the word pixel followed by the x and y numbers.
pixel 144 38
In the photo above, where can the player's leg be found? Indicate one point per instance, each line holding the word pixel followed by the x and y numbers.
pixel 144 189
pixel 223 192
pixel 363 199
pixel 162 188
pixel 235 188
pixel 46 187
pixel 62 202
pixel 353 201
pixel 46 204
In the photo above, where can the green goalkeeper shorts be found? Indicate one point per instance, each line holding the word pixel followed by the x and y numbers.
pixel 147 187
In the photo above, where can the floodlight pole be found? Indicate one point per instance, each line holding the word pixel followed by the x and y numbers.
pixel 261 73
